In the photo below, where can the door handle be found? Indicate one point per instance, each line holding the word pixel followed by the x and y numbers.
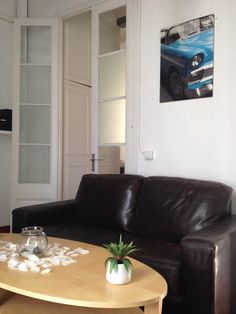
pixel 93 159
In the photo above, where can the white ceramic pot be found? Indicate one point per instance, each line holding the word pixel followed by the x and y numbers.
pixel 121 277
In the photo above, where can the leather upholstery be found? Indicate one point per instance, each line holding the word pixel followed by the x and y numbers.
pixel 165 258
pixel 107 200
pixel 39 215
pixel 183 227
pixel 179 206
pixel 208 265
pixel 84 232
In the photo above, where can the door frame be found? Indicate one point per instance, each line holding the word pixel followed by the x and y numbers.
pixel 133 36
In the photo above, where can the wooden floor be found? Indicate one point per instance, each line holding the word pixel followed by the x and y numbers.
pixel 5 229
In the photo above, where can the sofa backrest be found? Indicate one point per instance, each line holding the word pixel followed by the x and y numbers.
pixel 170 208
pixel 107 200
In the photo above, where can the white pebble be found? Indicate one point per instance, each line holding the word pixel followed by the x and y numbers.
pixel 55 261
pixel 12 267
pixel 35 269
pixel 74 254
pixel 46 271
pixel 14 255
pixel 73 261
pixel 22 267
pixel 71 252
pixel 30 264
pixel 12 263
pixel 82 251
pixel 3 257
pixel 12 246
pixel 46 265
pixel 33 257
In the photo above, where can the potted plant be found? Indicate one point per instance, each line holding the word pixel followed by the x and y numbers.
pixel 118 266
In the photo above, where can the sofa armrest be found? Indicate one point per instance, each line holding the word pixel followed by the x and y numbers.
pixel 42 214
pixel 208 268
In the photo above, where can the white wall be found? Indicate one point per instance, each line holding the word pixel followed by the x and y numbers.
pixel 6 33
pixel 192 138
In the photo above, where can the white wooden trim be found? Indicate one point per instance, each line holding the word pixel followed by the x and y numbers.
pixel 30 104
pixel 6 18
pixel 133 37
pixel 60 112
pixel 33 144
pixel 112 53
pixel 5 132
pixel 94 81
pixel 111 99
pixel 35 64
pixel 84 6
pixel 53 22
pixel 55 108
pixel 108 5
pixel 15 117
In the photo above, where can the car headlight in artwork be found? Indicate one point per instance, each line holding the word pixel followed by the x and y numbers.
pixel 196 60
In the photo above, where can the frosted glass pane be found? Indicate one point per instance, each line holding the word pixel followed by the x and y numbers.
pixel 112 122
pixel 35 124
pixel 35 86
pixel 112 75
pixel 36 44
pixel 34 164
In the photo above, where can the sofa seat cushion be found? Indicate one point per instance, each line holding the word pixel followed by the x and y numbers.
pixel 164 257
pixel 107 200
pixel 82 232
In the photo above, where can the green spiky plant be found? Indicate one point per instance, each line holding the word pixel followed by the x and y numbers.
pixel 119 252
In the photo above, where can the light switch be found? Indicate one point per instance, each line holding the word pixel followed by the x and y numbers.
pixel 149 154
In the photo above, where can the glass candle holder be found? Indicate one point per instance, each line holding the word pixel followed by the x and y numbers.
pixel 32 240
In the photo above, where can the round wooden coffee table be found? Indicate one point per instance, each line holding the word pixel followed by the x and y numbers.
pixel 81 285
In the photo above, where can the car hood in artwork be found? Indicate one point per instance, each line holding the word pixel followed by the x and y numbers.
pixel 201 42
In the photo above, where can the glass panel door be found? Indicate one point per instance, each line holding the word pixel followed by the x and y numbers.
pixel 35 112
pixel 112 89
pixel 35 104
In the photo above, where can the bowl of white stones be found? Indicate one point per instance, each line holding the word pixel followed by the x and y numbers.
pixel 33 253
pixel 32 240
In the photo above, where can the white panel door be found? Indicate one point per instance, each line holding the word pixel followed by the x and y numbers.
pixel 76 148
pixel 77 48
pixel 35 112
pixel 77 102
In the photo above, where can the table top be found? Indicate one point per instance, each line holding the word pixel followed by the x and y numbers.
pixel 84 283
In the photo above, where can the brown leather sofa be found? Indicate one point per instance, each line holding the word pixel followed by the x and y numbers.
pixel 183 227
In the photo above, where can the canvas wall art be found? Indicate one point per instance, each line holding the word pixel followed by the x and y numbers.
pixel 187 59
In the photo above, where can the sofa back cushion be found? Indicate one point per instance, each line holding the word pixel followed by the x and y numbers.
pixel 107 200
pixel 170 208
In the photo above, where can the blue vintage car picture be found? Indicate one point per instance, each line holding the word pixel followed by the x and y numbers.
pixel 187 58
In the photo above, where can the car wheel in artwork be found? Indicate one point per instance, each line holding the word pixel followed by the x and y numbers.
pixel 176 86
